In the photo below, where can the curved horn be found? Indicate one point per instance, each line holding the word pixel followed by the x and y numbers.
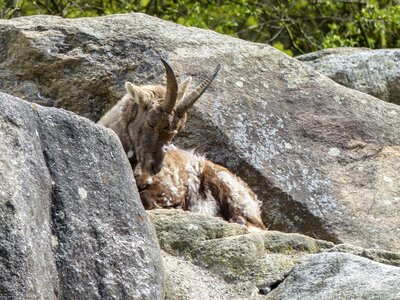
pixel 188 101
pixel 172 88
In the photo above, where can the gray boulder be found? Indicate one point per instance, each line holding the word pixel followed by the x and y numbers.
pixel 323 158
pixel 375 72
pixel 72 226
pixel 208 258
pixel 339 276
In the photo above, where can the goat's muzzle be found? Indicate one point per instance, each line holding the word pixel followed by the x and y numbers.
pixel 152 167
pixel 155 168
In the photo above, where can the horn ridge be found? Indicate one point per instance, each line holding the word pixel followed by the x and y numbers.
pixel 172 88
pixel 189 101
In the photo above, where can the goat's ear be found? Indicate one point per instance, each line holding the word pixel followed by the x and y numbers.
pixel 136 93
pixel 183 87
pixel 182 123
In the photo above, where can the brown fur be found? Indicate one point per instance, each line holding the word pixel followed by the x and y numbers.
pixel 190 182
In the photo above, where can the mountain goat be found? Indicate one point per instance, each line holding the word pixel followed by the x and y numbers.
pixel 146 120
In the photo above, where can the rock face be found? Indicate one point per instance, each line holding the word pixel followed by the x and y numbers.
pixel 323 158
pixel 71 223
pixel 207 258
pixel 375 72
pixel 339 276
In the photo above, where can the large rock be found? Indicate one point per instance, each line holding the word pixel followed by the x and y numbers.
pixel 213 259
pixel 323 158
pixel 331 276
pixel 72 226
pixel 375 72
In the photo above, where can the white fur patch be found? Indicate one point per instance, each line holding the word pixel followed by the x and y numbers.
pixel 203 204
pixel 207 206
pixel 194 170
pixel 171 186
pixel 149 180
pixel 241 195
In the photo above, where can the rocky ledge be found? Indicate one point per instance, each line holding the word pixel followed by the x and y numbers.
pixel 208 258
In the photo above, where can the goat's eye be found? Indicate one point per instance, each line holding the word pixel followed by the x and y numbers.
pixel 150 125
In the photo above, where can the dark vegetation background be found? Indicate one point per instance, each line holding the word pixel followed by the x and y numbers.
pixel 295 27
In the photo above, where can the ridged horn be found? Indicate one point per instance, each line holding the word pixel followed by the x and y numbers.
pixel 188 101
pixel 172 88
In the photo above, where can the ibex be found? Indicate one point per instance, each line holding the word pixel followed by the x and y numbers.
pixel 148 117
pixel 191 182
pixel 146 120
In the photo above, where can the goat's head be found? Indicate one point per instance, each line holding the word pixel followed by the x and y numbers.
pixel 161 115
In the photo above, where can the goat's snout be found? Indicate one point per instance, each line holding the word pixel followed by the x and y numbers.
pixel 155 167
pixel 152 163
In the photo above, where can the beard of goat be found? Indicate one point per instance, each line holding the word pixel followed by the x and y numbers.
pixel 146 120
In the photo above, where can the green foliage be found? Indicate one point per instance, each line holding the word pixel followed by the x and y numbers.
pixel 293 26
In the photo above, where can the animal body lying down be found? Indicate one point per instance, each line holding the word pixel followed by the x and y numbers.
pixel 191 182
